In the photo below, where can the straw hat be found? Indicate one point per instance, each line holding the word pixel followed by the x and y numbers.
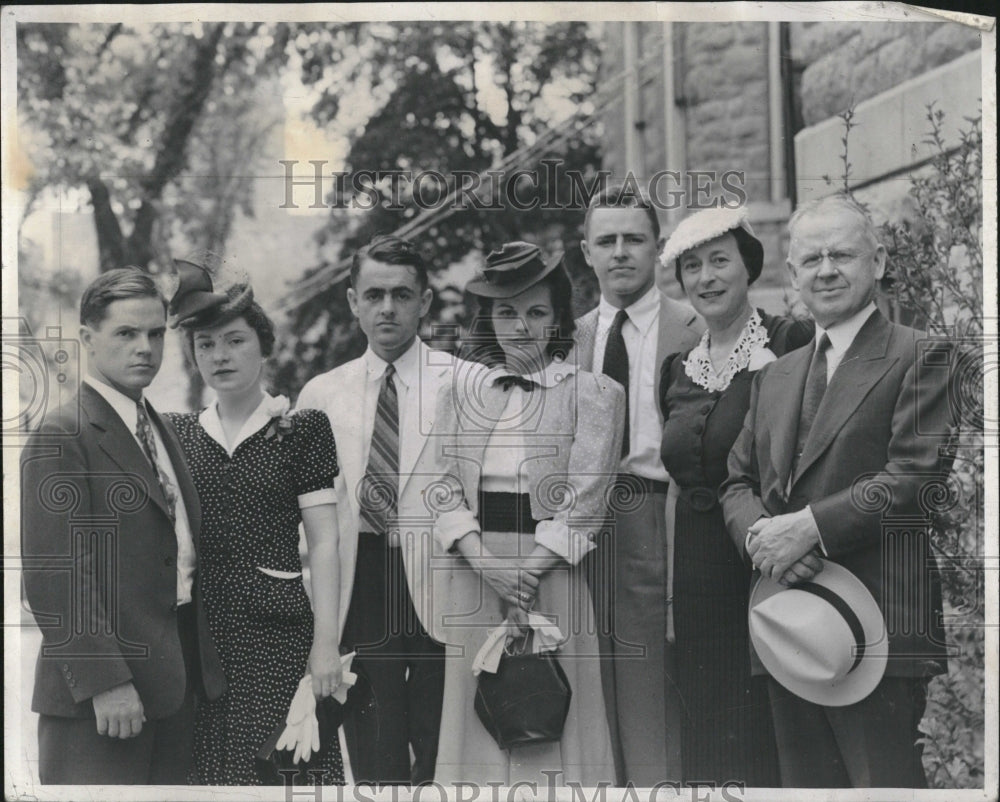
pixel 824 640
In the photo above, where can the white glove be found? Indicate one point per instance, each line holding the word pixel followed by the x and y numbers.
pixel 301 732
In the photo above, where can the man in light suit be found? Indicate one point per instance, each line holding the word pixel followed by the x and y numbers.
pixel 840 439
pixel 627 337
pixel 385 589
pixel 110 522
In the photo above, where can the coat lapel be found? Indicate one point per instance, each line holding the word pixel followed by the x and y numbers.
pixel 349 430
pixel 435 368
pixel 585 336
pixel 781 400
pixel 863 366
pixel 119 444
pixel 680 328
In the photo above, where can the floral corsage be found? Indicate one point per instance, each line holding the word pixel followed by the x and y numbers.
pixel 278 409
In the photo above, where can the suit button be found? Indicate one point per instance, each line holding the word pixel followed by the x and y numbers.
pixel 65 666
pixel 706 409
pixel 173 607
pixel 698 428
pixel 168 561
pixel 69 675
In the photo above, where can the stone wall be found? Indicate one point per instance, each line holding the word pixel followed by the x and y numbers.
pixel 725 97
pixel 844 63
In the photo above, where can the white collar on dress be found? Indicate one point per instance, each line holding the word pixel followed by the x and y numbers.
pixel 557 371
pixel 750 351
pixel 269 408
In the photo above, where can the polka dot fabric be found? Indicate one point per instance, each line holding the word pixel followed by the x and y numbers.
pixel 262 625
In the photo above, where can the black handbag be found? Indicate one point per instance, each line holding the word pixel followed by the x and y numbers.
pixel 526 701
pixel 275 767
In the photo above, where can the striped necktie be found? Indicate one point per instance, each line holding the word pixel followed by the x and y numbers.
pixel 380 487
pixel 144 431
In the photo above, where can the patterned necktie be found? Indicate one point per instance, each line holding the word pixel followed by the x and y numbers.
pixel 616 366
pixel 380 487
pixel 812 395
pixel 144 431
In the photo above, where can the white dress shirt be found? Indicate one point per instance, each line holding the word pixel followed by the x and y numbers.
pixel 407 381
pixel 186 557
pixel 641 335
pixel 841 335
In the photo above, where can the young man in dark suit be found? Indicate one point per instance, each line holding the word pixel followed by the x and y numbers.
pixel 110 523
pixel 841 439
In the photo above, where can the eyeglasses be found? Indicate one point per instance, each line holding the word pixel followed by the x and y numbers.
pixel 837 258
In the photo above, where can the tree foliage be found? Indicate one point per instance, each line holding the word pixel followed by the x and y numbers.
pixel 120 111
pixel 446 97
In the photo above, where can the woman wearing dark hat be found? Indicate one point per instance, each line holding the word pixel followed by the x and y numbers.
pixel 538 445
pixel 259 471
pixel 704 394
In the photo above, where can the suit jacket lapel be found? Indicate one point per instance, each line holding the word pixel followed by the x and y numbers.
pixel 863 365
pixel 419 418
pixel 349 431
pixel 585 336
pixel 678 331
pixel 781 400
pixel 119 444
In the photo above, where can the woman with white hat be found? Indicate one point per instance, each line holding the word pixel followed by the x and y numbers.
pixel 704 395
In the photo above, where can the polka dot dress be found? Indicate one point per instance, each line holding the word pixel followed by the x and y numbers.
pixel 262 625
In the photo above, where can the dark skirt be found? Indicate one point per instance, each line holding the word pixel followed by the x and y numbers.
pixel 728 734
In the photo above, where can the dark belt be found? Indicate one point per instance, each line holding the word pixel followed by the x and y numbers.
pixel 634 481
pixel 700 499
pixel 506 512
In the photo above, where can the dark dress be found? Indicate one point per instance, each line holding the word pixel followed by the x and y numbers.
pixel 727 734
pixel 262 625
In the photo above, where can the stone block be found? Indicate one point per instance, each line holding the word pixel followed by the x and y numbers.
pixel 812 41
pixel 948 42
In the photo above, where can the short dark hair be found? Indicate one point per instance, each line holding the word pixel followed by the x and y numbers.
pixel 482 344
pixel 390 250
pixel 751 252
pixel 622 195
pixel 116 285
pixel 256 318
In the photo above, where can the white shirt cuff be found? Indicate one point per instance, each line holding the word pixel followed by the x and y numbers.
pixel 452 526
pixel 557 537
pixel 819 535
pixel 326 495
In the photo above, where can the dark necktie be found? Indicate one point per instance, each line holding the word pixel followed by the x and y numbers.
pixel 812 395
pixel 144 431
pixel 616 366
pixel 380 487
pixel 506 382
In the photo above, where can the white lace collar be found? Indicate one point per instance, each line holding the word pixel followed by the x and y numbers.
pixel 750 351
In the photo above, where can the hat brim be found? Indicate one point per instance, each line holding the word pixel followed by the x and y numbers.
pixel 484 289
pixel 860 682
